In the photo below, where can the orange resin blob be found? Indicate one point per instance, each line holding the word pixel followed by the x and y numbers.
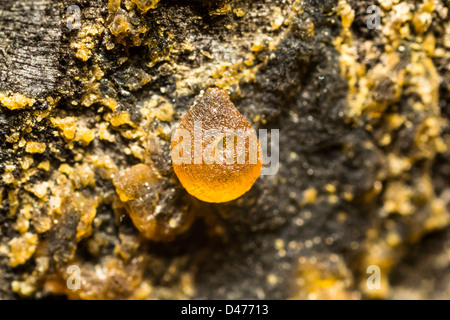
pixel 215 152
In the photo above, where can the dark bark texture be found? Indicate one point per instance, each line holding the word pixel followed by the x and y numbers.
pixel 86 115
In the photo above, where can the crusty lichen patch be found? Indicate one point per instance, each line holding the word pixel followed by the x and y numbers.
pixel 35 147
pixel 145 5
pixel 374 103
pixel 323 277
pixel 22 248
pixel 15 101
pixel 87 39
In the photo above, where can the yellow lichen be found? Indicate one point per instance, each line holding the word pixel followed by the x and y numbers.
pixel 322 277
pixel 86 40
pixel 15 101
pixel 278 19
pixel 165 112
pixel 81 175
pixel 309 196
pixel 87 206
pixel 129 183
pixel 13 202
pixel 104 134
pixel 31 282
pixel 113 5
pixel 72 129
pixel 23 219
pixel 8 178
pixel 145 5
pixel 35 147
pixel 346 12
pixel 67 125
pixel 120 24
pixel 22 248
pixel 40 190
pixel 120 118
pixel 423 17
pixel 92 94
pixel 27 161
pixel 223 10
pixel 44 165
pixel 239 12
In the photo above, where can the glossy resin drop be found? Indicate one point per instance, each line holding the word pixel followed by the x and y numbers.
pixel 215 152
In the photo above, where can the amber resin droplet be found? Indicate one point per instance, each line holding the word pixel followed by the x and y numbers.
pixel 215 152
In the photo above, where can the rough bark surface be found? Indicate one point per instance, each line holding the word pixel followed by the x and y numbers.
pixel 87 114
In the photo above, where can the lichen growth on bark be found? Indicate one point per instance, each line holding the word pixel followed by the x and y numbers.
pixel 87 114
